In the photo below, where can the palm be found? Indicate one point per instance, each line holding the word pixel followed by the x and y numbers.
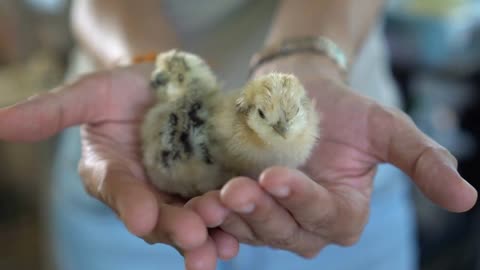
pixel 113 137
pixel 343 161
pixel 343 150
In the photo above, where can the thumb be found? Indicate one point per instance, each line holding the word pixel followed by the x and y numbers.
pixel 431 166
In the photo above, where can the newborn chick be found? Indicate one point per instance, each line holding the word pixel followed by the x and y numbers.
pixel 196 138
pixel 175 131
pixel 270 122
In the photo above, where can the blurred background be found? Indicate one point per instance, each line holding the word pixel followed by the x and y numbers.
pixel 435 53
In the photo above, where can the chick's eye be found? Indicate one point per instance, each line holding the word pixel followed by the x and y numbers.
pixel 161 79
pixel 260 112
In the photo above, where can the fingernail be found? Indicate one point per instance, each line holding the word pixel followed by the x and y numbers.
pixel 279 191
pixel 246 209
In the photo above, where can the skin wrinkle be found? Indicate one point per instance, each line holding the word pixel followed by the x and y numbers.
pixel 372 126
pixel 416 170
pixel 102 90
pixel 102 138
pixel 413 170
pixel 102 144
pixel 108 127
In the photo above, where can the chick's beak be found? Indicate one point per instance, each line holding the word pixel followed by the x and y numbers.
pixel 281 129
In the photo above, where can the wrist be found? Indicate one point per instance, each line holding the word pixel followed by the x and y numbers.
pixel 307 66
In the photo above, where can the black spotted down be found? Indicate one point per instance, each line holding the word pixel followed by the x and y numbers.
pixel 185 141
pixel 173 120
pixel 206 154
pixel 193 115
pixel 186 122
pixel 165 159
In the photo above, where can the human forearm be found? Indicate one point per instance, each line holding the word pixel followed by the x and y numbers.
pixel 115 31
pixel 346 22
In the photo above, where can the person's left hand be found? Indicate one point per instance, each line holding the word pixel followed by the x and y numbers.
pixel 327 201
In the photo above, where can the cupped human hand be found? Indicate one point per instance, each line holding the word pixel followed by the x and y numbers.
pixel 109 105
pixel 327 201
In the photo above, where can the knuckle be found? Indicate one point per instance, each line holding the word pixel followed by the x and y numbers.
pixel 399 118
pixel 318 226
pixel 287 240
pixel 441 151
pixel 349 236
pixel 382 115
pixel 430 153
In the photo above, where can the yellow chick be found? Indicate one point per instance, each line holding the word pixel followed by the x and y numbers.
pixel 270 122
pixel 196 138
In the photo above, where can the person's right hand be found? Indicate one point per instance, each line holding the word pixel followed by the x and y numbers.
pixel 110 105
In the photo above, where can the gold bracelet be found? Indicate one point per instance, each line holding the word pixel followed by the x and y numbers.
pixel 320 45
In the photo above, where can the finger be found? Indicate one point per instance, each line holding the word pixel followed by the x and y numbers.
pixel 270 223
pixel 202 258
pixel 238 228
pixel 144 211
pixel 431 166
pixel 181 227
pixel 209 208
pixel 213 213
pixel 44 115
pixel 87 100
pixel 315 208
pixel 227 245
